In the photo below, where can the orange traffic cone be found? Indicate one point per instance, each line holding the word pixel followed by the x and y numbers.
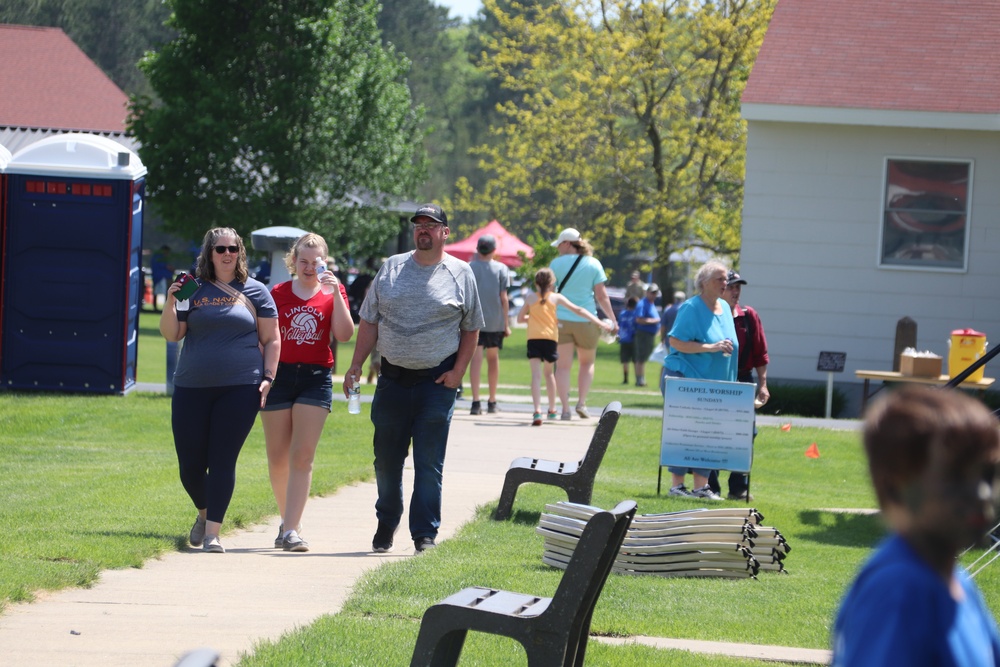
pixel 813 451
pixel 786 427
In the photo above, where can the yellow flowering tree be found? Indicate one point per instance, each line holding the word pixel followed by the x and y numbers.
pixel 623 120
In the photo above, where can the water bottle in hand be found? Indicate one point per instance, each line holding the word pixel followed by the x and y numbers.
pixel 326 287
pixel 354 399
pixel 728 354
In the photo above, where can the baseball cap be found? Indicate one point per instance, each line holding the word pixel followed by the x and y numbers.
pixel 568 234
pixel 486 244
pixel 734 279
pixel 432 211
pixel 653 288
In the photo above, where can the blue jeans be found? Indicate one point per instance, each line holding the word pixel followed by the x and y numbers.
pixel 421 413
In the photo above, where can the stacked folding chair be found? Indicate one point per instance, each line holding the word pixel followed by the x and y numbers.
pixel 724 542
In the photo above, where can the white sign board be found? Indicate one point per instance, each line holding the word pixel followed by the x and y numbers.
pixel 707 424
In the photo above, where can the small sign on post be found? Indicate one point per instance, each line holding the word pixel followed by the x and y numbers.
pixel 830 363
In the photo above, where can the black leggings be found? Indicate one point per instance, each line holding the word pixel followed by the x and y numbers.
pixel 210 426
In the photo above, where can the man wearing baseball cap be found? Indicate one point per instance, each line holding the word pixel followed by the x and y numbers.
pixel 422 312
pixel 492 280
pixel 753 359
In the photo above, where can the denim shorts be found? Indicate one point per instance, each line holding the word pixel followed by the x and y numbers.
pixel 307 384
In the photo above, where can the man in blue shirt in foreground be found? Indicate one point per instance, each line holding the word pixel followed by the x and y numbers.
pixel 932 454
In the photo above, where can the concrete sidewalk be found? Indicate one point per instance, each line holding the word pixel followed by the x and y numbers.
pixel 186 600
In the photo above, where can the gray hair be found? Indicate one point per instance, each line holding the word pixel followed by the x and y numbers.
pixel 706 270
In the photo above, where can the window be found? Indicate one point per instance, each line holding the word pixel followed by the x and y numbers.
pixel 925 220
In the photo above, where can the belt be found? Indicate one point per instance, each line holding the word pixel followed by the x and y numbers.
pixel 411 376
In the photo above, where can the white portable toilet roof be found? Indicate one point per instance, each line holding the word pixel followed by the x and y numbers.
pixel 271 239
pixel 4 158
pixel 77 154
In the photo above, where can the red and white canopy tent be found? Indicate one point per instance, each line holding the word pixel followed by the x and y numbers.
pixel 508 245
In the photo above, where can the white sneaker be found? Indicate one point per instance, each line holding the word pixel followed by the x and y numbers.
pixel 679 490
pixel 212 545
pixel 707 493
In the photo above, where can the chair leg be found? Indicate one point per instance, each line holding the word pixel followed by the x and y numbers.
pixel 434 650
pixel 580 495
pixel 506 504
pixel 550 654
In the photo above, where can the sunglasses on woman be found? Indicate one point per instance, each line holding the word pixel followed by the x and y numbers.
pixel 221 249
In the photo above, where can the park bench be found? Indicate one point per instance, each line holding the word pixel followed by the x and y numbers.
pixel 575 477
pixel 553 631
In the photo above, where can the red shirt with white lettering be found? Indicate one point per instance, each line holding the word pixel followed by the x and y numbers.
pixel 305 325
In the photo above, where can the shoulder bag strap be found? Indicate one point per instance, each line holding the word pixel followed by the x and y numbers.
pixel 239 296
pixel 571 270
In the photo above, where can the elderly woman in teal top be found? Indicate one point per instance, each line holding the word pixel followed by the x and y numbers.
pixel 702 345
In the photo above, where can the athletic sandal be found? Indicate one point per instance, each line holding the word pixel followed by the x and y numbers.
pixel 292 542
pixel 553 414
pixel 278 539
pixel 536 419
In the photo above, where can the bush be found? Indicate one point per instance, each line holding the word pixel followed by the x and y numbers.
pixel 802 401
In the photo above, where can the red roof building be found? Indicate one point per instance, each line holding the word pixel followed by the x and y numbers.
pixel 873 150
pixel 918 56
pixel 47 84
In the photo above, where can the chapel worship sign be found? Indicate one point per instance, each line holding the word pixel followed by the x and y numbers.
pixel 707 424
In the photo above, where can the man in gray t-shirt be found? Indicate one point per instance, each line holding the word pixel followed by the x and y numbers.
pixel 422 312
pixel 492 281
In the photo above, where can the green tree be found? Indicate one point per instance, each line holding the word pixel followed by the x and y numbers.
pixel 623 120
pixel 272 112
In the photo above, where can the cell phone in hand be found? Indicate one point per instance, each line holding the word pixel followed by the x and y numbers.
pixel 188 287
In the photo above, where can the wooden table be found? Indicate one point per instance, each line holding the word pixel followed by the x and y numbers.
pixel 890 376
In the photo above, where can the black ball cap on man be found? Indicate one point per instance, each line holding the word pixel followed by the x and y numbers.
pixel 734 279
pixel 486 244
pixel 432 211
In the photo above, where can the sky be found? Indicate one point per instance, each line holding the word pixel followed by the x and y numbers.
pixel 465 9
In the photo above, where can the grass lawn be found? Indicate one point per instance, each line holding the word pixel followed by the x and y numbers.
pixel 92 481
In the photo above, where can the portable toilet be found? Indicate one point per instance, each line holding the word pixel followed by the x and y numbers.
pixel 4 161
pixel 71 272
pixel 276 241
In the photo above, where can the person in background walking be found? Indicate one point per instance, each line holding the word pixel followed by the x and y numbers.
pixel 224 374
pixel 626 337
pixel 162 274
pixel 422 311
pixel 932 456
pixel 581 279
pixel 635 288
pixel 668 317
pixel 647 324
pixel 539 312
pixel 308 320
pixel 492 281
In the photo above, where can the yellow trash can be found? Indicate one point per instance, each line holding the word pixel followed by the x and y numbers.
pixel 967 346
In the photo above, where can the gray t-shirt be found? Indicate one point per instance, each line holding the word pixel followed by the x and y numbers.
pixel 221 344
pixel 492 280
pixel 421 311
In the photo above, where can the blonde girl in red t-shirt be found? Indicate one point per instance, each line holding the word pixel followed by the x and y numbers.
pixel 539 311
pixel 302 393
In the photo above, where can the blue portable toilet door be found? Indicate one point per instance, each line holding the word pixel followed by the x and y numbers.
pixel 68 286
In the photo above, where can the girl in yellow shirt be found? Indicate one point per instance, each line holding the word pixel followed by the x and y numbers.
pixel 539 311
